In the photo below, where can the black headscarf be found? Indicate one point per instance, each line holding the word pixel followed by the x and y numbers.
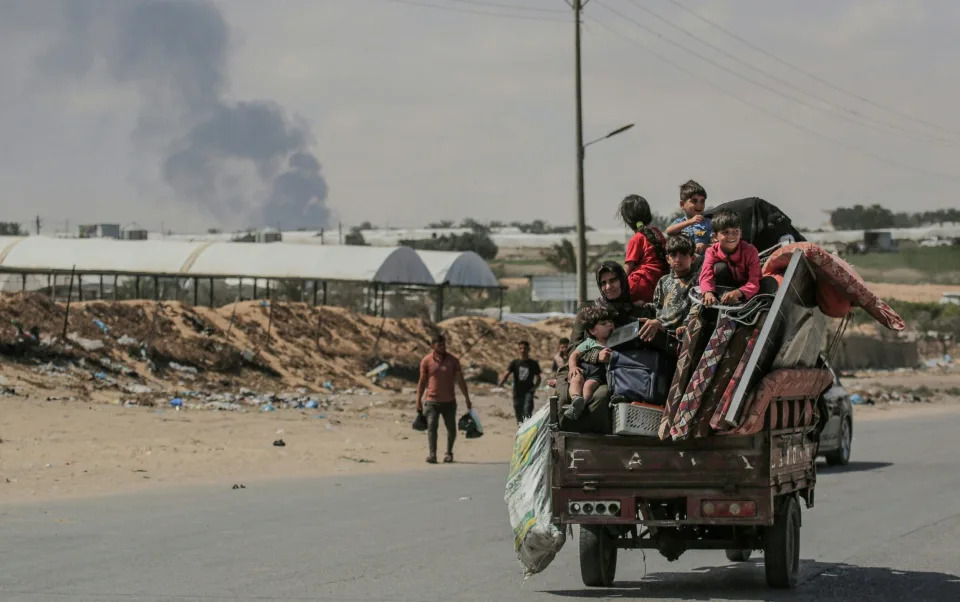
pixel 621 307
pixel 622 304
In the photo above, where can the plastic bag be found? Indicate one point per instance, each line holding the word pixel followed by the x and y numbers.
pixel 420 422
pixel 535 538
pixel 470 424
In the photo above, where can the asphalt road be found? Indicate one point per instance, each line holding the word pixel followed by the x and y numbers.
pixel 885 528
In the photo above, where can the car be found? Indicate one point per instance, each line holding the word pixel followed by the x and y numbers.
pixel 836 419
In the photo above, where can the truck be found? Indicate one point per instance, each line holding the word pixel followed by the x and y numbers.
pixel 736 493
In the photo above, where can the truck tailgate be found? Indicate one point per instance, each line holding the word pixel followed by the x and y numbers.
pixel 630 462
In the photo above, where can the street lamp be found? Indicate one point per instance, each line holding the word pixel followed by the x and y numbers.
pixel 581 219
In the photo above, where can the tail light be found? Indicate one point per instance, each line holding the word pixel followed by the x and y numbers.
pixel 728 509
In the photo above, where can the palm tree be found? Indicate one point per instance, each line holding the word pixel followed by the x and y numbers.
pixel 563 255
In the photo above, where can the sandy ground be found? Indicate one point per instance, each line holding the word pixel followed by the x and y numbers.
pixel 917 293
pixel 86 448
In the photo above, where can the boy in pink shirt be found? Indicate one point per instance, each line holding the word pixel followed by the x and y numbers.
pixel 731 265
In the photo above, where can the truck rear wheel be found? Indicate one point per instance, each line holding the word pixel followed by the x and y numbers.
pixel 738 555
pixel 781 548
pixel 598 556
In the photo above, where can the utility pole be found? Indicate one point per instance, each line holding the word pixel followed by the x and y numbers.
pixel 577 6
pixel 39 223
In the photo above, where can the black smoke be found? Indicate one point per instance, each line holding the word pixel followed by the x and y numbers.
pixel 247 158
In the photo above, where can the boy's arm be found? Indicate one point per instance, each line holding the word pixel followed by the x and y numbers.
pixel 574 357
pixel 707 282
pixel 677 227
pixel 752 257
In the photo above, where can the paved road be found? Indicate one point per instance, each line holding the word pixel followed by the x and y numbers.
pixel 886 528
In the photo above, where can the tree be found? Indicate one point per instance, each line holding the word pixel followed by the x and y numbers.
pixel 478 242
pixel 11 229
pixel 441 225
pixel 355 237
pixel 366 226
pixel 563 255
pixel 474 225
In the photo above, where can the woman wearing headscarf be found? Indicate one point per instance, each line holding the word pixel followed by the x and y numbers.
pixel 615 298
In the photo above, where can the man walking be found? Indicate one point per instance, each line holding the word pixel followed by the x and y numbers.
pixel 436 398
pixel 526 379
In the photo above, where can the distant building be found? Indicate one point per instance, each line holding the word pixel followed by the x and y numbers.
pixel 269 235
pixel 879 241
pixel 100 231
pixel 134 232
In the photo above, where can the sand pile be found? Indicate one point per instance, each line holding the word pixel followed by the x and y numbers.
pixel 250 343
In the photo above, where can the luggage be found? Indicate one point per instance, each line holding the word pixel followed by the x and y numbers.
pixel 640 374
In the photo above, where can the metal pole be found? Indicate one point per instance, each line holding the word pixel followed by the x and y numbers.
pixel 316 285
pixel 156 287
pixel 211 292
pixel 438 317
pixel 136 287
pixel 324 292
pixel 101 286
pixel 195 291
pixel 254 289
pixel 23 282
pixel 52 286
pixel 115 292
pixel 501 303
pixel 581 213
pixel 66 314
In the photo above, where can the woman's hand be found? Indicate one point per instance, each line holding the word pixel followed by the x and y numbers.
pixel 649 329
pixel 709 299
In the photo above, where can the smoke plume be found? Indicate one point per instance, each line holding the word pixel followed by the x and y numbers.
pixel 245 158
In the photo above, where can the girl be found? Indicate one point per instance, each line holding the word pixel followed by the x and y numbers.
pixel 646 258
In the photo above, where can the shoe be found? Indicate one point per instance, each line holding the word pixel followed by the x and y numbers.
pixel 575 409
pixel 448 459
pixel 431 459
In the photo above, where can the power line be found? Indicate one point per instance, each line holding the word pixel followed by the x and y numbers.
pixel 512 7
pixel 471 11
pixel 845 110
pixel 723 67
pixel 768 112
pixel 812 76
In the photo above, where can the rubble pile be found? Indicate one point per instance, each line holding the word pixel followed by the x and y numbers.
pixel 144 348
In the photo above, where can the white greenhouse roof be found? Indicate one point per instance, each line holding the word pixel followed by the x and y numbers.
pixel 458 268
pixel 399 265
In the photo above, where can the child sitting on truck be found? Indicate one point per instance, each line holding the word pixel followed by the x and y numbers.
pixel 586 378
pixel 731 266
pixel 671 299
pixel 693 223
pixel 645 261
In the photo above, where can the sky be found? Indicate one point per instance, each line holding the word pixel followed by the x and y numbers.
pixel 303 113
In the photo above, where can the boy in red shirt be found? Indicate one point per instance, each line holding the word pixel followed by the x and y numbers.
pixel 731 265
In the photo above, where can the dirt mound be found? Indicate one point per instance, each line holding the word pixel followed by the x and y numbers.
pixel 251 343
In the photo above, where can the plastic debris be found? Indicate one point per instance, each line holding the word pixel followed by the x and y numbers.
pixel 85 344
pixel 103 327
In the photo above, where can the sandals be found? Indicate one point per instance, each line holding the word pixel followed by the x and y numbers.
pixel 448 459
pixel 431 459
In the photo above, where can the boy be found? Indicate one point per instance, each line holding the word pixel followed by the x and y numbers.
pixel 693 224
pixel 731 263
pixel 526 379
pixel 585 379
pixel 671 299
